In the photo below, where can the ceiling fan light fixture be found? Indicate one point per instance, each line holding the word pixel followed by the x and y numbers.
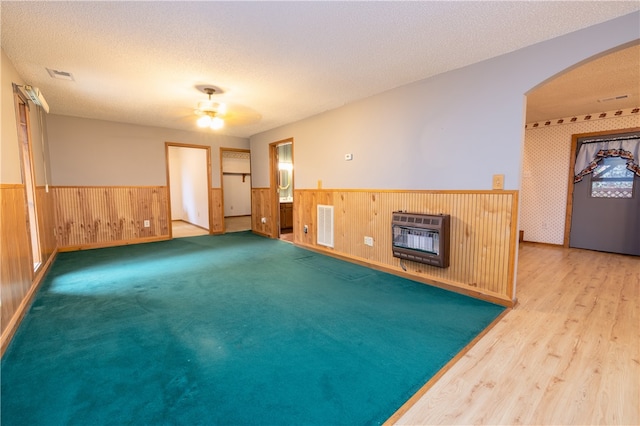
pixel 216 123
pixel 221 108
pixel 204 121
pixel 210 112
pixel 205 106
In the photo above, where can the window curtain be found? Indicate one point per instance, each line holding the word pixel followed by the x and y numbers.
pixel 591 153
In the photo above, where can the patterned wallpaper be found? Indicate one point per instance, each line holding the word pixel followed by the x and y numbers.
pixel 545 170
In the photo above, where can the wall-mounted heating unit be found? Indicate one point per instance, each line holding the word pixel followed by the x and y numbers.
pixel 421 238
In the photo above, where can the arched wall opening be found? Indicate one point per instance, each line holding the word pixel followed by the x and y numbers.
pixel 551 120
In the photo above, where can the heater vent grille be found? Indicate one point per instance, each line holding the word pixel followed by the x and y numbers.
pixel 421 238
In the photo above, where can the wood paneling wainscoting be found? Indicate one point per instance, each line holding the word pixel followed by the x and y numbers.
pixel 91 216
pixel 217 211
pixel 483 233
pixel 45 205
pixel 19 281
pixel 261 207
pixel 17 269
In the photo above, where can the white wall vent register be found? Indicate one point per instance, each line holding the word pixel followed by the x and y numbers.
pixel 325 225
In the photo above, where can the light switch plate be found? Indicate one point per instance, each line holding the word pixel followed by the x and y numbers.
pixel 498 181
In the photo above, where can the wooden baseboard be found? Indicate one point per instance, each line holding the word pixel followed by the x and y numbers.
pixel 436 283
pixel 262 234
pixel 13 325
pixel 542 244
pixel 113 243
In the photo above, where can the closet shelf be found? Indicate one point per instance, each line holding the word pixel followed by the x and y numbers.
pixel 244 175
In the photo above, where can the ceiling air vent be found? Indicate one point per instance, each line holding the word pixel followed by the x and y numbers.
pixel 60 75
pixel 614 98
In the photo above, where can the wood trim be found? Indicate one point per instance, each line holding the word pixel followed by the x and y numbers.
pixel 105 186
pixel 234 150
pixel 168 182
pixel 222 150
pixel 542 244
pixel 186 145
pixel 45 205
pixel 262 234
pixel 11 185
pixel 273 194
pixel 274 202
pixel 416 191
pixel 423 390
pixel 572 163
pixel 167 145
pixel 513 246
pixel 217 211
pixel 112 244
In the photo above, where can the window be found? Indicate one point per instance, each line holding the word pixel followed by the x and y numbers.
pixel 612 179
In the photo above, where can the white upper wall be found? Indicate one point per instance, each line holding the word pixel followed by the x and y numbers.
pixel 451 131
pixel 87 152
pixel 195 194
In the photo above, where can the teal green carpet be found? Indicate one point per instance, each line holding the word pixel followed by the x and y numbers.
pixel 233 329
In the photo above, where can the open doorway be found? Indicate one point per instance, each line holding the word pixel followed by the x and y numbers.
pixel 189 183
pixel 577 101
pixel 281 154
pixel 235 176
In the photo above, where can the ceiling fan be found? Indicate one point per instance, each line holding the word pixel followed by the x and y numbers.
pixel 211 113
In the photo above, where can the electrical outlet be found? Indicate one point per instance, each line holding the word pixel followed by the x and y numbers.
pixel 147 223
pixel 368 241
pixel 306 229
pixel 498 181
pixel 348 157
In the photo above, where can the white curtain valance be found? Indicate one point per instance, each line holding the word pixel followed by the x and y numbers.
pixel 591 153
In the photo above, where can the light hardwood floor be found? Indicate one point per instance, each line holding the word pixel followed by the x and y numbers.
pixel 180 229
pixel 567 354
pixel 237 223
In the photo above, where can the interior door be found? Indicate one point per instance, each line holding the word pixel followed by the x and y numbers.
pixel 606 207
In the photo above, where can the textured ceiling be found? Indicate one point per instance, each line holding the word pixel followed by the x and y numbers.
pixel 580 90
pixel 277 62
